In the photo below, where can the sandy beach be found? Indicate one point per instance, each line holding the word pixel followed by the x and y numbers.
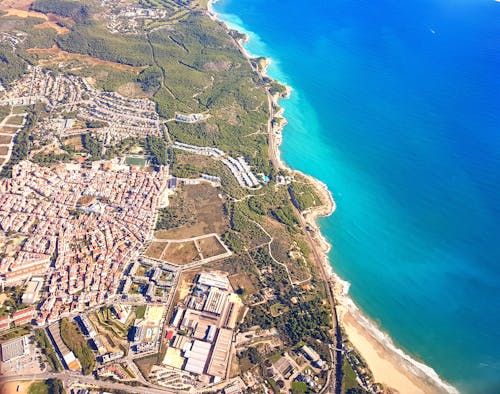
pixel 389 364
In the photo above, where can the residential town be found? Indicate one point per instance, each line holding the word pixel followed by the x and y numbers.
pixel 111 115
pixel 81 254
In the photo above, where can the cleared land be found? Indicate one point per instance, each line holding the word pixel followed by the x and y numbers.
pixel 16 120
pixel 8 130
pixel 242 282
pixel 210 247
pixel 181 253
pixel 5 139
pixel 74 142
pixel 206 208
pixel 155 249
pixel 11 387
pixel 57 55
pixel 50 21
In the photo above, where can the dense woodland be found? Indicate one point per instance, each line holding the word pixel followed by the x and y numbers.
pixel 68 9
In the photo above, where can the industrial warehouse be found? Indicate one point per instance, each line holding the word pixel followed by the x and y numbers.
pixel 202 327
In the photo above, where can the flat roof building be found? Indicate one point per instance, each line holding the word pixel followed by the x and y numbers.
pixel 216 301
pixel 220 354
pixel 310 353
pixel 213 280
pixel 30 296
pixel 197 357
pixel 14 348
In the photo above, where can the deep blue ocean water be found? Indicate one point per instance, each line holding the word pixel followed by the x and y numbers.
pixel 396 106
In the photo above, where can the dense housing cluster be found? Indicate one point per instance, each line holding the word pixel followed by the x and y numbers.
pixel 113 115
pixel 238 167
pixel 82 226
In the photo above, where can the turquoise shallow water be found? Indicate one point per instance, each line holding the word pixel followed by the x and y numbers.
pixel 396 106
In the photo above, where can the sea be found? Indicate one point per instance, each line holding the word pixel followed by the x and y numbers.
pixel 395 105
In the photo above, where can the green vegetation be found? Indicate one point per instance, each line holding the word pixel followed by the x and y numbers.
pixel 23 142
pixel 233 242
pixel 95 40
pixel 349 383
pixel 50 158
pixel 107 321
pixel 140 311
pixel 277 88
pixel 4 110
pixel 252 354
pixel 303 195
pixel 95 124
pixel 12 67
pixel 44 344
pixel 173 217
pixel 13 302
pixel 307 321
pixel 68 9
pixel 123 147
pixel 300 388
pixel 38 388
pixel 285 215
pixel 49 386
pixel 157 147
pixel 194 68
pixel 93 146
pixel 150 79
pixel 75 341
pixel 55 386
pixel 135 161
pixel 15 332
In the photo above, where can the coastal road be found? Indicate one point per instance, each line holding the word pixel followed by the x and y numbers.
pixel 334 383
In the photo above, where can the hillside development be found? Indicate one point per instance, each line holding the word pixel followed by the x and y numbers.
pixel 139 186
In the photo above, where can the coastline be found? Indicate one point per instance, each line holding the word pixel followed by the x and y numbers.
pixel 390 365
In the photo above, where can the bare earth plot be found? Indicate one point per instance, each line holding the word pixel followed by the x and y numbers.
pixel 8 130
pixel 243 282
pixel 207 209
pixel 5 139
pixel 181 253
pixel 155 249
pixel 50 21
pixel 210 247
pixel 57 55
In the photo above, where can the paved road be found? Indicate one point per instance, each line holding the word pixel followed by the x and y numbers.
pixel 71 378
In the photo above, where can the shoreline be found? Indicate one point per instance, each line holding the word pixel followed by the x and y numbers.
pixel 389 364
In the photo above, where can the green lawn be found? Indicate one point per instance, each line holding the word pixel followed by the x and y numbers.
pixel 38 388
pixel 140 311
pixel 349 381
pixel 135 161
pixel 299 388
